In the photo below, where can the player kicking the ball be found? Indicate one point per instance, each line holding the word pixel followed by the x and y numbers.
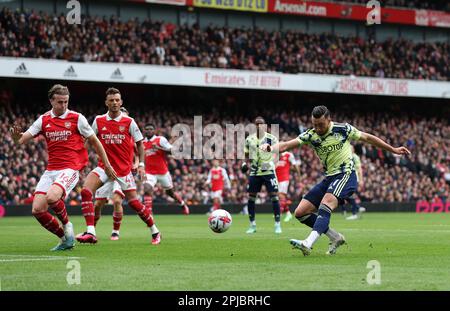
pixel 64 131
pixel 331 142
pixel 156 150
pixel 118 133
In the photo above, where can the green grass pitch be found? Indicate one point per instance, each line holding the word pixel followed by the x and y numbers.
pixel 412 249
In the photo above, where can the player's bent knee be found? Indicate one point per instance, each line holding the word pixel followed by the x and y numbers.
pixel 53 196
pixel 304 208
pixel 330 200
pixel 117 203
pixel 37 209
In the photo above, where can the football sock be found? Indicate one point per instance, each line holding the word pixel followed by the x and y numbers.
pixel 251 208
pixel 154 229
pixel 323 220
pixel 144 213
pixel 178 198
pixel 216 206
pixel 87 208
pixel 283 204
pixel 148 202
pixel 60 210
pixel 97 216
pixel 312 238
pixel 355 207
pixel 276 207
pixel 309 219
pixel 50 223
pixel 332 234
pixel 117 220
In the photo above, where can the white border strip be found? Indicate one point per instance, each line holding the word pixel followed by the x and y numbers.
pixel 220 78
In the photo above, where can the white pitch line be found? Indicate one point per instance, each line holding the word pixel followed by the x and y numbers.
pixel 38 259
pixel 21 258
pixel 38 256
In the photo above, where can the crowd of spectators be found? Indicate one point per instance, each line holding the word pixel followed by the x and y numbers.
pixel 425 175
pixel 101 39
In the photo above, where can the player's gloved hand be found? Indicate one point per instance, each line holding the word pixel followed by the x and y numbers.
pixel 16 132
pixel 265 147
pixel 244 167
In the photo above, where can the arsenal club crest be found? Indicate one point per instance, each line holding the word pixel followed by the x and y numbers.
pixel 121 128
pixel 67 125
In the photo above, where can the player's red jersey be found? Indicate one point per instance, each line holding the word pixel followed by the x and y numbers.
pixel 118 137
pixel 217 177
pixel 64 136
pixel 284 165
pixel 156 155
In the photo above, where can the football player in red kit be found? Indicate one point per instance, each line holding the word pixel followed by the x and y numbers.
pixel 156 150
pixel 282 170
pixel 118 133
pixel 106 192
pixel 65 132
pixel 217 179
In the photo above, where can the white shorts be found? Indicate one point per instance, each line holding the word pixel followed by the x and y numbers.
pixel 165 180
pixel 124 183
pixel 283 186
pixel 216 194
pixel 66 179
pixel 108 189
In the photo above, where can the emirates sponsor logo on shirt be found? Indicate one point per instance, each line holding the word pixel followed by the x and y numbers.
pixel 58 135
pixel 67 124
pixel 113 139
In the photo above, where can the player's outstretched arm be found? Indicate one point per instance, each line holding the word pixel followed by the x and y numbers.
pixel 281 146
pixel 378 142
pixel 19 137
pixel 93 140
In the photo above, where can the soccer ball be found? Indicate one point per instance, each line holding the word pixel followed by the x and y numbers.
pixel 219 221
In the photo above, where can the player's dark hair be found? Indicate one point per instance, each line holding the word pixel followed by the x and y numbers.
pixel 259 118
pixel 320 111
pixel 112 91
pixel 58 89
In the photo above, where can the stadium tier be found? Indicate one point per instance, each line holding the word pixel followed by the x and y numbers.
pixel 101 39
